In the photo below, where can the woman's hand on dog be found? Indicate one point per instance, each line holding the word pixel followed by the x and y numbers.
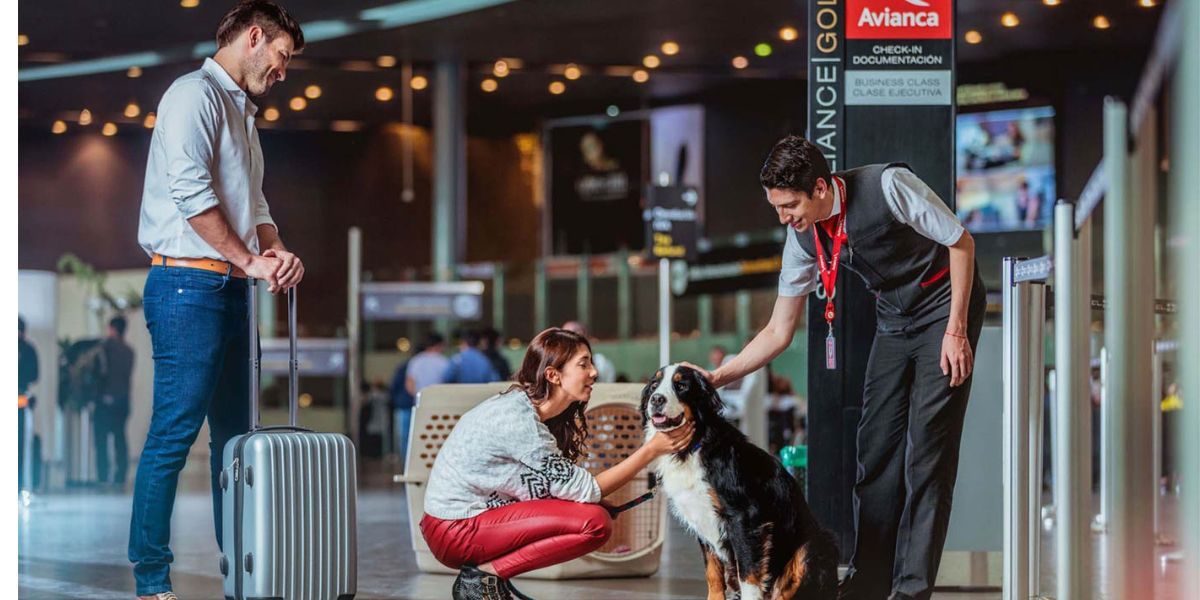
pixel 670 442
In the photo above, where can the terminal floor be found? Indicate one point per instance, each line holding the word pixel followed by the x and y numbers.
pixel 73 545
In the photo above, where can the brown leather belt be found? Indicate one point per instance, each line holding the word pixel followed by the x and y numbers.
pixel 204 264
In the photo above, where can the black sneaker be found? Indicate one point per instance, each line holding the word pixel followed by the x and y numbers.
pixel 515 592
pixel 473 584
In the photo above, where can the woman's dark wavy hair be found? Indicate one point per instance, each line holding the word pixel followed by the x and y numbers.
pixel 553 348
pixel 794 164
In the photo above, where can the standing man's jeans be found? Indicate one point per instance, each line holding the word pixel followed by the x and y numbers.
pixel 403 416
pixel 197 321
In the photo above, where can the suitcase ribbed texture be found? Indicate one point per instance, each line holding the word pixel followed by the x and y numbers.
pixel 298 516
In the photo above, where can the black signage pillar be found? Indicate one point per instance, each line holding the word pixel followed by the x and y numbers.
pixel 880 89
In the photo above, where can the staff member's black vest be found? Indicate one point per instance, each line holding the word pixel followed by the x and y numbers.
pixel 908 272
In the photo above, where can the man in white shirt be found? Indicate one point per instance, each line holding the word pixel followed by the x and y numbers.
pixel 206 226
pixel 885 225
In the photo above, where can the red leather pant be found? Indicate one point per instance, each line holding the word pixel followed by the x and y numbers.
pixel 519 537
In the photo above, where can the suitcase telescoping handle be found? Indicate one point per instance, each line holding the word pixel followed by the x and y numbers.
pixel 255 361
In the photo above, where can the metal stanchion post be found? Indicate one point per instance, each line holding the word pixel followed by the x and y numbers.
pixel 1023 318
pixel 1128 331
pixel 1071 480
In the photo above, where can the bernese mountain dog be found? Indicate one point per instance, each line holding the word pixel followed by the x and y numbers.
pixel 759 538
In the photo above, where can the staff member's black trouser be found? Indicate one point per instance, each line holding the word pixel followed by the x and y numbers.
pixel 908 440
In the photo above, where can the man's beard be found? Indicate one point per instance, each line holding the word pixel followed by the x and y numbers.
pixel 258 72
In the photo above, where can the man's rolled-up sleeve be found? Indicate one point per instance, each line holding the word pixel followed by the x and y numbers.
pixel 798 275
pixel 189 128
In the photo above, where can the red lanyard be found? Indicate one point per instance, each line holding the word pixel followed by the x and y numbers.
pixel 829 270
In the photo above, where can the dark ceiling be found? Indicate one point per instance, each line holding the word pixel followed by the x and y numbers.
pixel 545 34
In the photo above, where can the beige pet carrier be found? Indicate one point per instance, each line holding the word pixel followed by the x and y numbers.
pixel 615 428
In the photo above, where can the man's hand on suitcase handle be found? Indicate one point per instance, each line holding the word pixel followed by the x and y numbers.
pixel 290 272
pixel 264 268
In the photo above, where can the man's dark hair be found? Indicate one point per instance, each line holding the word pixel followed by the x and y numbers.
pixel 794 164
pixel 118 324
pixel 270 17
pixel 431 340
pixel 470 336
pixel 490 337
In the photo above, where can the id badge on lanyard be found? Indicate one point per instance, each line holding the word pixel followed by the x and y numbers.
pixel 828 271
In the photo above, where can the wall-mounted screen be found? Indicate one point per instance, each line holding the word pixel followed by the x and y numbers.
pixel 1005 169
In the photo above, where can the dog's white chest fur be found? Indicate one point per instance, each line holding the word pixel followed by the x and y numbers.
pixel 692 499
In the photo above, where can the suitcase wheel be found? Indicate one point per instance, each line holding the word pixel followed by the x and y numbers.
pixel 249 562
pixel 224 565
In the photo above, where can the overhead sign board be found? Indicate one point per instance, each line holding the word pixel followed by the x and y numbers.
pixel 409 301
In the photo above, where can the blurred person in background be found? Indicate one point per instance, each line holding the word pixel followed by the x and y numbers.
pixel 112 408
pixel 470 364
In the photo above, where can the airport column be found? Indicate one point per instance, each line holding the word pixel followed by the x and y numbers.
pixel 449 167
pixel 880 89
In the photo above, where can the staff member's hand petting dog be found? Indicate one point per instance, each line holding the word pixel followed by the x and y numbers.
pixel 759 539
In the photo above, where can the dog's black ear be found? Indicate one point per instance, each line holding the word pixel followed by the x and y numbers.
pixel 703 388
pixel 710 392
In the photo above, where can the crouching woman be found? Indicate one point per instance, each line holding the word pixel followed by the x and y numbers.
pixel 505 496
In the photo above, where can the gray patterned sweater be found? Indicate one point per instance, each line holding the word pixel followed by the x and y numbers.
pixel 500 453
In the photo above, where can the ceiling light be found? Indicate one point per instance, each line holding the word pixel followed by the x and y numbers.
pixel 85 117
pixel 1101 22
pixel 1051 2
pixel 386 61
pixel 641 76
pixel 651 61
pixel 488 85
pixel 762 49
pixel 22 39
pixel 612 110
pixel 419 82
pixel 312 92
pixel 557 87
pixel 345 126
pixel 1009 19
pixel 384 93
pixel 271 114
pixel 500 69
pixel 132 110
pixel 151 120
pixel 740 62
pixel 1147 3
pixel 134 72
pixel 572 72
pixel 670 48
pixel 789 34
pixel 109 129
pixel 297 103
pixel 973 37
pixel 189 3
pixel 58 127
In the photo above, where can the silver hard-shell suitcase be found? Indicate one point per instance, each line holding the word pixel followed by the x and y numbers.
pixel 289 495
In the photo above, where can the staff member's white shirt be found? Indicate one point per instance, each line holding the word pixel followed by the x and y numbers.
pixel 204 151
pixel 911 202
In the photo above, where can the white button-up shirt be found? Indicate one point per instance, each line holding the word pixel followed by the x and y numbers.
pixel 204 152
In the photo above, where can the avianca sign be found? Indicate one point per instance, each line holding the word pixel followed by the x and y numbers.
pixel 899 19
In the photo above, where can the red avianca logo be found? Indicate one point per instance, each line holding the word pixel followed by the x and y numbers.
pixel 899 19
